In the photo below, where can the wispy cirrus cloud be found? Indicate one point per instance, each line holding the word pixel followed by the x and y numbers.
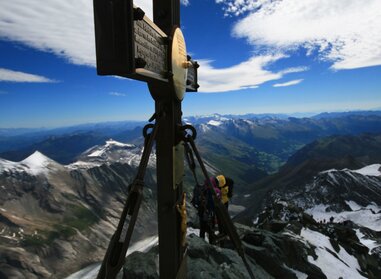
pixel 347 33
pixel 65 28
pixel 7 75
pixel 117 94
pixel 248 74
pixel 288 83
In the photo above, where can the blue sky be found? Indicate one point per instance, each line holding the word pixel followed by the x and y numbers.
pixel 256 56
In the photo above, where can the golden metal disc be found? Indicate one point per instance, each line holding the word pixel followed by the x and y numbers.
pixel 179 63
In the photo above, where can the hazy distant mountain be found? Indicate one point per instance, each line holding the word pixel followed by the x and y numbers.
pixel 346 114
pixel 19 138
pixel 272 137
pixel 63 149
pixel 267 143
pixel 246 149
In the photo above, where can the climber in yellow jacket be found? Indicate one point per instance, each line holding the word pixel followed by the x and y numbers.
pixel 225 184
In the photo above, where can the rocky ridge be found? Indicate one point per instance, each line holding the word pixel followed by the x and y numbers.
pixel 55 219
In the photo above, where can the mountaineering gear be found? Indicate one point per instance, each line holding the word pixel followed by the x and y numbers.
pixel 224 194
pixel 215 184
pixel 182 209
pixel 220 209
pixel 203 201
pixel 198 196
pixel 225 190
pixel 116 252
pixel 230 185
pixel 221 180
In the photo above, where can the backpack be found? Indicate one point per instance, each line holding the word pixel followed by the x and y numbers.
pixel 203 198
pixel 198 193
pixel 230 184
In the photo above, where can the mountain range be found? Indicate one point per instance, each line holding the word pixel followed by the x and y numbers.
pixel 52 214
pixel 307 197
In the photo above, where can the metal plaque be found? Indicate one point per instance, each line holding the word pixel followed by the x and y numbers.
pixel 128 43
pixel 150 49
pixel 180 63
pixel 192 79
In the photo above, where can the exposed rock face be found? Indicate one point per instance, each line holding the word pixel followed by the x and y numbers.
pixel 203 261
pixel 341 194
pixel 296 247
pixel 56 219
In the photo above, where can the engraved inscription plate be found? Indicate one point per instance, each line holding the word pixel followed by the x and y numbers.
pixel 192 82
pixel 150 47
pixel 129 44
pixel 179 63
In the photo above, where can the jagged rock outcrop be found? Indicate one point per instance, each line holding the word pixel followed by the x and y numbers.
pixel 286 243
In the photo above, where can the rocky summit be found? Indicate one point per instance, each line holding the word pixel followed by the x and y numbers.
pixel 286 243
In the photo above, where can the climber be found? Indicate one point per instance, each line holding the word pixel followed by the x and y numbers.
pixel 203 202
pixel 226 185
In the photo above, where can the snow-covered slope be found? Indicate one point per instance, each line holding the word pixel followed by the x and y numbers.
pixel 371 170
pixel 333 264
pixel 369 217
pixel 35 164
pixel 112 151
pixel 340 195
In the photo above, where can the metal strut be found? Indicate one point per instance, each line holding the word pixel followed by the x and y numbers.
pixel 116 252
pixel 220 209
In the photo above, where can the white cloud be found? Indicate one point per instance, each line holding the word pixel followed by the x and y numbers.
pixel 238 7
pixel 346 32
pixel 117 94
pixel 248 74
pixel 185 2
pixel 14 76
pixel 288 83
pixel 65 28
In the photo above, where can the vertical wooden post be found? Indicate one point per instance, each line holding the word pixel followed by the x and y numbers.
pixel 169 152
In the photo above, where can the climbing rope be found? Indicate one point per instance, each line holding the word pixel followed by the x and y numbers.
pixel 220 209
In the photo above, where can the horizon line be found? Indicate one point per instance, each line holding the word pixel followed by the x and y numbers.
pixel 292 114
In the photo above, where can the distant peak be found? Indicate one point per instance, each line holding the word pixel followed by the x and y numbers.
pixel 38 163
pixel 37 156
pixel 34 164
pixel 215 123
pixel 371 170
pixel 117 143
